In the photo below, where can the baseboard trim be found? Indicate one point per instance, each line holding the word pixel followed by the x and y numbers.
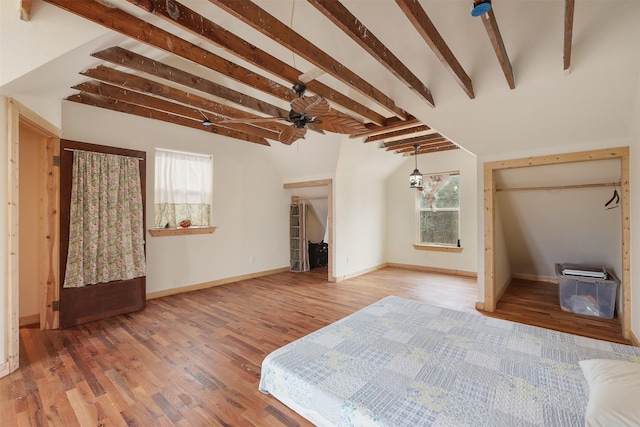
pixel 437 270
pixel 480 305
pixel 29 320
pixel 361 272
pixel 4 369
pixel 536 278
pixel 219 282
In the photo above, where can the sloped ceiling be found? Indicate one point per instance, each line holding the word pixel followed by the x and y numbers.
pixel 547 106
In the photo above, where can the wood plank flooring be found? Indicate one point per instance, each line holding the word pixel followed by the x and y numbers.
pixel 194 359
pixel 536 303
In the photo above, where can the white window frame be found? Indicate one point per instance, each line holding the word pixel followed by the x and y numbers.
pixel 418 209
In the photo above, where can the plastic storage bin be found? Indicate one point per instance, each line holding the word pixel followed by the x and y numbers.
pixel 587 295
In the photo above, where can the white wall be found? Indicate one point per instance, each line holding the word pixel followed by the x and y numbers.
pixel 250 207
pixel 400 210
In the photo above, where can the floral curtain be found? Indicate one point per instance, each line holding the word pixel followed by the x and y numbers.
pixel 432 184
pixel 183 188
pixel 106 236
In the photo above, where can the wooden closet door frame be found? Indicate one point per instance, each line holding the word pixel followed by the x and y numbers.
pixel 18 114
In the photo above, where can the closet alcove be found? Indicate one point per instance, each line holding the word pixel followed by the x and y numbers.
pixel 557 209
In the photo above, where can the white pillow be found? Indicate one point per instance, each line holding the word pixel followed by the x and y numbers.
pixel 614 392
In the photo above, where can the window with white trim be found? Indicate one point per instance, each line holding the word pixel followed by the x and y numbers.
pixel 183 190
pixel 438 210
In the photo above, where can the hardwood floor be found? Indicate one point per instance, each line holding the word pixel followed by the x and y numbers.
pixel 536 303
pixel 194 359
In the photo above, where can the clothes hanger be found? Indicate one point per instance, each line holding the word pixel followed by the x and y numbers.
pixel 615 197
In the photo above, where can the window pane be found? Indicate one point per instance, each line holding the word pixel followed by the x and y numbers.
pixel 446 194
pixel 440 227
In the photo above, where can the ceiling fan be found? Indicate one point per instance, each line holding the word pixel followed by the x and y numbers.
pixel 309 110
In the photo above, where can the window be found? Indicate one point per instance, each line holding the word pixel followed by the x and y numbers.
pixel 183 188
pixel 438 210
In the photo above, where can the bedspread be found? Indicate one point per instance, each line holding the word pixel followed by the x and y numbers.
pixel 404 363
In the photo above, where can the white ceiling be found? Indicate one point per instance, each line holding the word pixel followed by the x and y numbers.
pixel 548 108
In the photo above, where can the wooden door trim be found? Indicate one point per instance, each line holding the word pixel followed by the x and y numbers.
pixel 622 153
pixel 18 114
pixel 318 183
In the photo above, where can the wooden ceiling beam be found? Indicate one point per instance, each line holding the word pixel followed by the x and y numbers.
pixel 261 20
pixel 391 124
pixel 491 25
pixel 442 146
pixel 25 10
pixel 137 110
pixel 351 26
pixel 569 7
pixel 132 60
pixel 207 30
pixel 123 23
pixel 412 141
pixel 405 148
pixel 141 84
pixel 136 98
pixel 420 20
pixel 398 133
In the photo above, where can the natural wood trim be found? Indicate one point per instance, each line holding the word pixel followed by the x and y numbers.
pixel 302 184
pixel 634 340
pixel 437 248
pixel 25 10
pixel 491 25
pixel 252 15
pixel 4 369
pixel 358 32
pixel 219 282
pixel 569 6
pixel 560 187
pixel 436 270
pixel 50 245
pixel 361 272
pixel 480 306
pixel 489 240
pixel 621 153
pixel 161 232
pixel 556 159
pixel 626 245
pixel 30 320
pixel 207 30
pixel 535 278
pixel 420 20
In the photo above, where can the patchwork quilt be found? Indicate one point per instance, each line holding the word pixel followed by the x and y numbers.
pixel 399 362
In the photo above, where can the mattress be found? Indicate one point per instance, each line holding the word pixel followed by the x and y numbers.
pixel 399 362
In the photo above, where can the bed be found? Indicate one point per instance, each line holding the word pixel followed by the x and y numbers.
pixel 399 362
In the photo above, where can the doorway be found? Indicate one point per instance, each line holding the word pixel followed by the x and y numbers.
pixel 41 140
pixel 328 184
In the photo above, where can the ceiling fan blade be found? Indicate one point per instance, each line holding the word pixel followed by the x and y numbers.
pixel 291 134
pixel 311 105
pixel 340 124
pixel 255 120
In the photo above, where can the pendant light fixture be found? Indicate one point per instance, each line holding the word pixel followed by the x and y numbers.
pixel 415 179
pixel 480 7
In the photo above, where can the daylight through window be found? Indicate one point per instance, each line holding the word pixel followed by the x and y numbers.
pixel 183 188
pixel 438 210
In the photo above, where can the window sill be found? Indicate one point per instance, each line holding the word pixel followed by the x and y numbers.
pixel 160 232
pixel 437 248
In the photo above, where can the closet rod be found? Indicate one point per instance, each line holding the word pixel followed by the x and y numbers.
pixel 77 149
pixel 303 199
pixel 560 187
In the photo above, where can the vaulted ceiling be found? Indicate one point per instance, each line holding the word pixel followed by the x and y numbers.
pixel 133 83
pixel 232 64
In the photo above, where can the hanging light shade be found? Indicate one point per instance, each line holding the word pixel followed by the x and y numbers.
pixel 415 179
pixel 480 7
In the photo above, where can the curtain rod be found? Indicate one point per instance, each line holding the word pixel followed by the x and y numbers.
pixel 560 187
pixel 88 151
